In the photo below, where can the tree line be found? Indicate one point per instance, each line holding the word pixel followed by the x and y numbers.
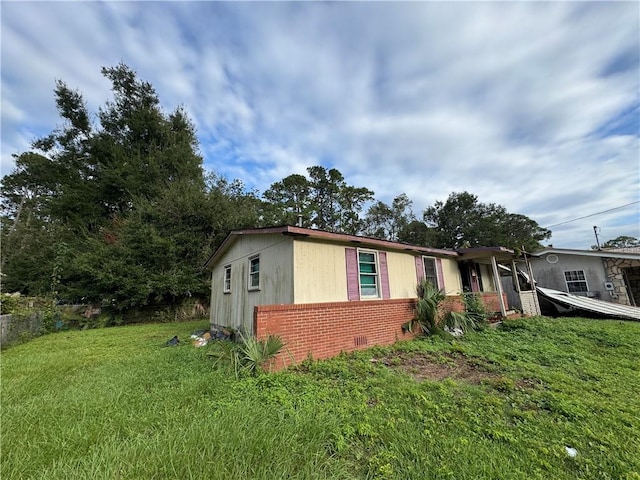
pixel 115 208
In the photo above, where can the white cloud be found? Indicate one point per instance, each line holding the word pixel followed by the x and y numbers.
pixel 499 99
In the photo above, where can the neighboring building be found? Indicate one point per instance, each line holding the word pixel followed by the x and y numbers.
pixel 345 291
pixel 612 275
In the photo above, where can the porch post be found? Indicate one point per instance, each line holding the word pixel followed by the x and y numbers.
pixel 533 283
pixel 514 276
pixel 496 279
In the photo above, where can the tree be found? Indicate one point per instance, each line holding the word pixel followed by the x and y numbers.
pixel 416 232
pixel 623 241
pixel 291 197
pixel 384 221
pixel 324 201
pixel 117 212
pixel 351 201
pixel 378 220
pixel 326 186
pixel 462 221
pixel 232 206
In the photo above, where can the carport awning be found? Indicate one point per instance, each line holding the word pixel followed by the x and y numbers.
pixel 576 302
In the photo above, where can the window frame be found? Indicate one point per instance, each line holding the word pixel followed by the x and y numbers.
pixel 575 281
pixel 435 270
pixel 375 275
pixel 226 279
pixel 251 273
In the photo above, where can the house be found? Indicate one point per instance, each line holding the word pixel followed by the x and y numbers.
pixel 612 275
pixel 325 292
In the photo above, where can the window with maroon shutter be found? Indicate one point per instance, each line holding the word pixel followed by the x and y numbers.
pixel 367 274
pixel 419 269
pixel 353 287
pixel 433 271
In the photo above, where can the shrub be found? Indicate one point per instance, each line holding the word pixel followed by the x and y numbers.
pixel 8 304
pixel 430 316
pixel 474 307
pixel 460 320
pixel 249 355
pixel 427 307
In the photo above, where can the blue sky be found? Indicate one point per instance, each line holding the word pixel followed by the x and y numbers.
pixel 532 105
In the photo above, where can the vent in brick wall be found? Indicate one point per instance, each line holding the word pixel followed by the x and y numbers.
pixel 360 341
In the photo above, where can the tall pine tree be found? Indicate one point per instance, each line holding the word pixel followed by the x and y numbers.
pixel 125 196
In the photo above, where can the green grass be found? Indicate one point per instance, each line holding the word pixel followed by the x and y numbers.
pixel 114 403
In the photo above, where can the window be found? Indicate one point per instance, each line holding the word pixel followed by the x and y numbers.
pixel 227 279
pixel 430 272
pixel 576 281
pixel 254 273
pixel 368 274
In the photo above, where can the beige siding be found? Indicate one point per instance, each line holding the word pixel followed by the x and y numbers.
pixel 488 283
pixel 403 278
pixel 321 276
pixel 235 309
pixel 320 272
pixel 452 280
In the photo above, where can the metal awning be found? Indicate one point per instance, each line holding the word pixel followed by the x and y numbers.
pixel 579 303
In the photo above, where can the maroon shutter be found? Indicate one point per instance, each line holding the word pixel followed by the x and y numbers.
pixel 353 282
pixel 384 275
pixel 440 273
pixel 419 269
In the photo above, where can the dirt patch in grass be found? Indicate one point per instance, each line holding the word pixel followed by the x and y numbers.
pixel 423 366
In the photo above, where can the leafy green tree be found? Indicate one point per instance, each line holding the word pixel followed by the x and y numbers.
pixel 126 198
pixel 326 186
pixel 416 232
pixel 462 221
pixel 384 221
pixel 324 201
pixel 623 241
pixel 291 200
pixel 378 220
pixel 351 202
pixel 232 207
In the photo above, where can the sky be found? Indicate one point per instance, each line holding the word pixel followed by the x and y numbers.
pixel 530 105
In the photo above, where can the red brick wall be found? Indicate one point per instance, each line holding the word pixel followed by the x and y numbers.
pixel 323 330
pixel 492 301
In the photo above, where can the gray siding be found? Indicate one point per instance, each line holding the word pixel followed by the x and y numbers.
pixel 551 275
pixel 235 309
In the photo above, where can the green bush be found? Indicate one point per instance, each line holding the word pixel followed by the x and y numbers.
pixel 474 307
pixel 431 317
pixel 8 304
pixel 247 356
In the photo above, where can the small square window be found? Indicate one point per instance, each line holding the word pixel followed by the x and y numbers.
pixel 227 279
pixel 576 281
pixel 254 273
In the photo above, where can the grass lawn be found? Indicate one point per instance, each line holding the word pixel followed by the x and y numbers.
pixel 498 404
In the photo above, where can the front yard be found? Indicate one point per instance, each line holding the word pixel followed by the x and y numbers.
pixel 500 403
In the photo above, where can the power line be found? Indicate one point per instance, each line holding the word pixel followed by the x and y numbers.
pixel 594 214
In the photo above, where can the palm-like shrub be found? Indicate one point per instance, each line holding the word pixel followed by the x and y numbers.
pixel 460 320
pixel 246 356
pixel 256 353
pixel 430 315
pixel 427 308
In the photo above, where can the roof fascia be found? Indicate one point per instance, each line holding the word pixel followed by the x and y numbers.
pixel 311 233
pixel 587 253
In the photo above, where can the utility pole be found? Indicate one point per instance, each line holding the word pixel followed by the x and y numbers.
pixel 595 231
